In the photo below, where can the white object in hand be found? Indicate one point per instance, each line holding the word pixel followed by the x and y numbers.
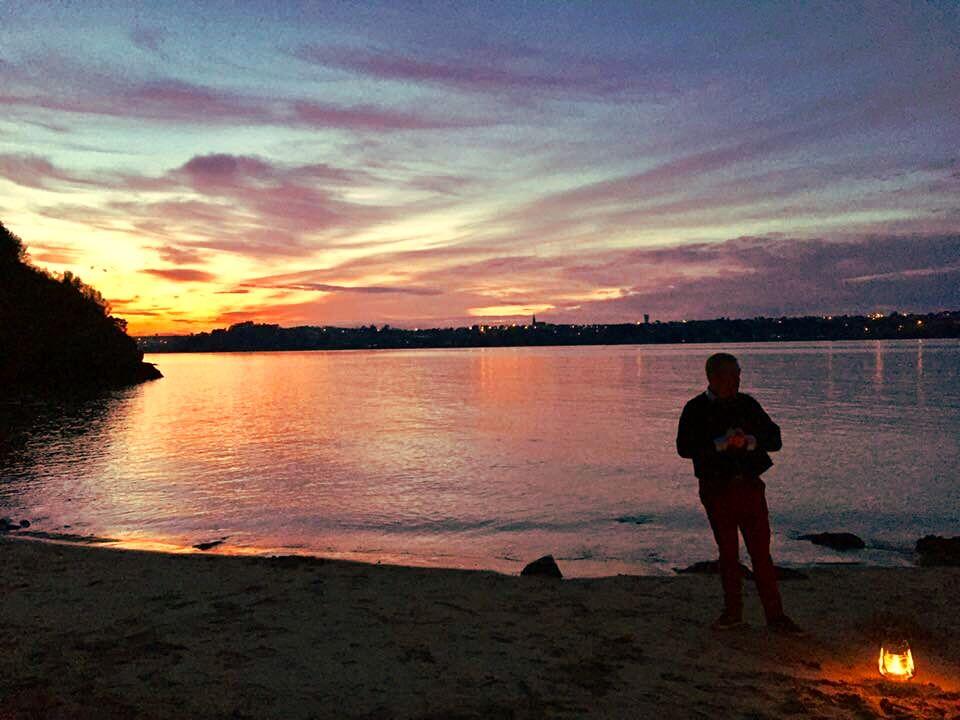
pixel 723 442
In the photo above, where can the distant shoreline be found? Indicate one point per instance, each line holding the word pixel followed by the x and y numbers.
pixel 249 336
pixel 557 345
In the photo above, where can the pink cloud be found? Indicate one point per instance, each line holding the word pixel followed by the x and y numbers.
pixel 56 254
pixel 741 277
pixel 501 68
pixel 368 117
pixel 744 277
pixel 364 289
pixel 179 255
pixel 36 172
pixel 181 274
pixel 242 204
pixel 175 101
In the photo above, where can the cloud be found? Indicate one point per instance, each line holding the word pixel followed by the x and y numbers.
pixel 55 254
pixel 369 117
pixel 150 39
pixel 168 100
pixel 179 255
pixel 34 171
pixel 762 181
pixel 221 165
pixel 181 274
pixel 749 276
pixel 371 289
pixel 740 277
pixel 222 202
pixel 501 68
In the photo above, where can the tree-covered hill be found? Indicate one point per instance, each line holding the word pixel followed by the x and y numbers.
pixel 56 332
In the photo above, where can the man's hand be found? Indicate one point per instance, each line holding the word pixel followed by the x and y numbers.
pixel 735 439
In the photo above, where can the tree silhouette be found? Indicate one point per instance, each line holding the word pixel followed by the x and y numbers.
pixel 11 247
pixel 56 332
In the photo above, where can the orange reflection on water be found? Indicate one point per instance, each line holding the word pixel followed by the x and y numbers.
pixel 489 456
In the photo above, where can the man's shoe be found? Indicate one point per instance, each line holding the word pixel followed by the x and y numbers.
pixel 783 625
pixel 727 621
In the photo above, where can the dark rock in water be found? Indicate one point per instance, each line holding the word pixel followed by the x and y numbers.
pixel 836 541
pixel 147 371
pixel 934 550
pixel 208 545
pixel 634 519
pixel 7 524
pixel 545 567
pixel 712 567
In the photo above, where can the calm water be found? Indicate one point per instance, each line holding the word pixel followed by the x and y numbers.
pixel 492 457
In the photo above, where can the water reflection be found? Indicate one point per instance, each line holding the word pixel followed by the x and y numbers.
pixel 878 352
pixel 485 458
pixel 53 452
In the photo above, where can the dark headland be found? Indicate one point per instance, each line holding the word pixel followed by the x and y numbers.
pixel 56 332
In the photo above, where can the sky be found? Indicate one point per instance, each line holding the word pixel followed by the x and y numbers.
pixel 437 164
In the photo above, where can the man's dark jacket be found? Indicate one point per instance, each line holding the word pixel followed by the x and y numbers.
pixel 704 419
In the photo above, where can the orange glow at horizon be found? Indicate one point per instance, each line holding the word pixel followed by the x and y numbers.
pixel 508 310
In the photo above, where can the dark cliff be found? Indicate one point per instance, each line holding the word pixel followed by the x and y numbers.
pixel 56 333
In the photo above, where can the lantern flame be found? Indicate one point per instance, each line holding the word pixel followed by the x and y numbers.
pixel 896 662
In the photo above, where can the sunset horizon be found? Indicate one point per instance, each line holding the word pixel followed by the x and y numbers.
pixel 331 165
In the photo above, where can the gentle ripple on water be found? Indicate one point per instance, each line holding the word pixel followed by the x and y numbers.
pixel 491 457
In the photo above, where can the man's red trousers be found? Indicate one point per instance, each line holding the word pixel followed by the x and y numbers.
pixel 741 505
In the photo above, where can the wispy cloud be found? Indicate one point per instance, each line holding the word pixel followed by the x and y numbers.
pixel 55 254
pixel 328 288
pixel 743 277
pixel 415 165
pixel 498 68
pixel 740 277
pixel 150 39
pixel 36 172
pixel 173 101
pixel 181 274
pixel 219 202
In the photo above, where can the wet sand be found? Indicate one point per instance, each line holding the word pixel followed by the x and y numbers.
pixel 94 632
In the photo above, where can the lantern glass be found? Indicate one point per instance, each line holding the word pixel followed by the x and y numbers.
pixel 896 660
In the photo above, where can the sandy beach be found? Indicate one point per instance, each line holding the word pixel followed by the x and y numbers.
pixel 95 632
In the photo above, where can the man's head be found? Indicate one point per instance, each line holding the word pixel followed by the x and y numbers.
pixel 723 375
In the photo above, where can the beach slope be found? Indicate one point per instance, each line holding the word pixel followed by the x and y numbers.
pixel 94 632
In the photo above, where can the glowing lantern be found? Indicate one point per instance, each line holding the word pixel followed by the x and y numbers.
pixel 896 661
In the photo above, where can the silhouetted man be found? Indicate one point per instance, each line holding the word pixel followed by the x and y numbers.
pixel 728 435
